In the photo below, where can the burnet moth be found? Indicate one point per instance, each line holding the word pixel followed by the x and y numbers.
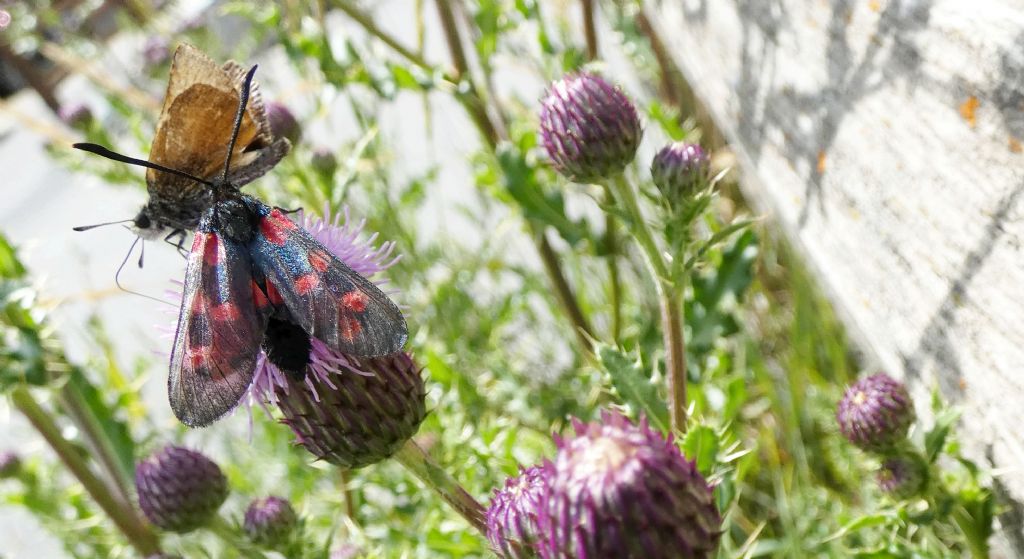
pixel 250 269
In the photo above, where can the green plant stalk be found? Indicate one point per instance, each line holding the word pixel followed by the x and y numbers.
pixel 99 443
pixel 589 29
pixel 421 465
pixel 345 480
pixel 669 298
pixel 127 521
pixel 611 247
pixel 473 105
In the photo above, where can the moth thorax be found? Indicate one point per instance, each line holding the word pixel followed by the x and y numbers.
pixel 235 219
pixel 287 345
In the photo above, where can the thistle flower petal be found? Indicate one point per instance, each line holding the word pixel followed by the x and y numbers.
pixel 512 514
pixel 876 413
pixel 589 128
pixel 179 489
pixel 617 489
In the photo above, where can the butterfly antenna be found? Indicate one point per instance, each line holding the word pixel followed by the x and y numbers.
pixel 242 102
pixel 88 227
pixel 102 151
pixel 117 276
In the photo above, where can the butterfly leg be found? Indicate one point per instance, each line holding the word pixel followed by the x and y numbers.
pixel 180 244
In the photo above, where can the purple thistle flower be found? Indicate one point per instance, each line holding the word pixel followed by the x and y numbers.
pixel 75 115
pixel 679 170
pixel 179 489
pixel 589 128
pixel 323 160
pixel 270 521
pixel 360 416
pixel 282 122
pixel 622 490
pixel 10 464
pixel 876 413
pixel 902 475
pixel 156 51
pixel 512 514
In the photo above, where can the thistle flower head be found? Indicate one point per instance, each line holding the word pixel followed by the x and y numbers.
pixel 360 416
pixel 512 514
pixel 10 464
pixel 622 490
pixel 179 489
pixel 589 128
pixel 679 170
pixel 283 123
pixel 875 413
pixel 270 521
pixel 156 51
pixel 323 160
pixel 75 115
pixel 902 475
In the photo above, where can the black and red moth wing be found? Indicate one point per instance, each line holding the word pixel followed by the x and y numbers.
pixel 223 318
pixel 329 300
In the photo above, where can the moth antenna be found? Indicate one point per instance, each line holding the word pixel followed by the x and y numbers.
pixel 88 227
pixel 117 276
pixel 104 152
pixel 142 250
pixel 242 102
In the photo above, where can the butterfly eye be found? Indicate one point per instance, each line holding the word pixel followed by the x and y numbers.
pixel 142 221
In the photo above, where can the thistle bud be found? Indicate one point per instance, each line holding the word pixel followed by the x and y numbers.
pixel 902 475
pixel 10 464
pixel 359 416
pixel 282 122
pixel 323 160
pixel 76 115
pixel 875 413
pixel 512 514
pixel 270 521
pixel 679 170
pixel 179 489
pixel 622 490
pixel 589 128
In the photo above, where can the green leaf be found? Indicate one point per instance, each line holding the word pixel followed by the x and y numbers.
pixel 935 439
pixel 10 266
pixel 860 523
pixel 633 385
pixel 701 445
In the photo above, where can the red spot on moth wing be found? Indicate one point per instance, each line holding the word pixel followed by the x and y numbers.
pixel 211 249
pixel 198 357
pixel 349 328
pixel 319 261
pixel 282 220
pixel 274 295
pixel 225 312
pixel 274 230
pixel 197 242
pixel 306 283
pixel 257 295
pixel 354 301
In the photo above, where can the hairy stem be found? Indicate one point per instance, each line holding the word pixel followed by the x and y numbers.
pixel 564 293
pixel 421 465
pixel 230 536
pixel 125 518
pixel 669 298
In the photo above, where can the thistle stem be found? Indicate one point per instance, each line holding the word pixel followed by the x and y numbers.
pixel 473 104
pixel 670 301
pixel 345 480
pixel 229 535
pixel 125 518
pixel 611 247
pixel 417 461
pixel 589 29
pixel 72 401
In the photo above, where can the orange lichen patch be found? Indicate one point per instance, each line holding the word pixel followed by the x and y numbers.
pixel 821 162
pixel 1015 145
pixel 968 110
pixel 875 6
